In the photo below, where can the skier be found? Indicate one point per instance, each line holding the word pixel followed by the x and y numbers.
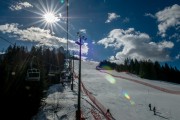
pixel 154 110
pixel 108 114
pixel 150 107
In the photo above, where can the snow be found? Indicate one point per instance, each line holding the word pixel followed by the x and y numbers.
pixel 127 100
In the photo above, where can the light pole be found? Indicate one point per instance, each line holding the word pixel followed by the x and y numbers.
pixel 72 70
pixel 67 10
pixel 78 112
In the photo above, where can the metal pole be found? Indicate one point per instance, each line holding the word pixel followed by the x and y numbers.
pixel 79 85
pixel 67 2
pixel 72 72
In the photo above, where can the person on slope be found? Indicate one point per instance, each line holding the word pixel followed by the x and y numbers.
pixel 154 110
pixel 150 107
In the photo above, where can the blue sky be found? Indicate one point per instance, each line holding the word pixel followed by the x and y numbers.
pixel 115 29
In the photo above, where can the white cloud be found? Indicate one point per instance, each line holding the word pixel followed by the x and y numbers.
pixel 83 31
pixel 134 44
pixel 41 36
pixel 20 5
pixel 93 42
pixel 1 53
pixel 150 15
pixel 177 56
pixel 82 57
pixel 126 20
pixel 175 36
pixel 169 17
pixel 112 16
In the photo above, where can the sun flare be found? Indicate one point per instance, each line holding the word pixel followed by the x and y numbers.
pixel 49 14
pixel 50 18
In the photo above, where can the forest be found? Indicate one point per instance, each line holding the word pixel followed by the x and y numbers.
pixel 20 97
pixel 145 69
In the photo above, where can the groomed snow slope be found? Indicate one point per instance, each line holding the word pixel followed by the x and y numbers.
pixel 127 100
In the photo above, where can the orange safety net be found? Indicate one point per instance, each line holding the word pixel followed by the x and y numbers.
pixel 97 103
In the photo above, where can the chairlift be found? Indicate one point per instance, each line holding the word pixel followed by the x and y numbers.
pixel 65 76
pixel 53 72
pixel 33 74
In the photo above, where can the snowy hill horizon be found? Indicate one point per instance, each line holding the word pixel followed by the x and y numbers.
pixel 127 96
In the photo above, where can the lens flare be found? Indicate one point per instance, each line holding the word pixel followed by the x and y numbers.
pixel 106 67
pixel 62 1
pixel 110 79
pixel 132 102
pixel 50 17
pixel 125 94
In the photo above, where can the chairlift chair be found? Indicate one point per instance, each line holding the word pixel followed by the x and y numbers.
pixel 65 76
pixel 51 72
pixel 33 74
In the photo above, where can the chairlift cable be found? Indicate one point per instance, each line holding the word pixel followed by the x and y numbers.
pixel 7 40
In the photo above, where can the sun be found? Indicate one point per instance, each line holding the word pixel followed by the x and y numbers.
pixel 50 18
pixel 50 15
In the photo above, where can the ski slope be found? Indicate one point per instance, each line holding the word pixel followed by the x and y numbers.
pixel 127 100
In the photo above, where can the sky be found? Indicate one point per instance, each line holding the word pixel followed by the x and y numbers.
pixel 127 100
pixel 115 29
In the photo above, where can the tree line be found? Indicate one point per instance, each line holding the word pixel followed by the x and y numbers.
pixel 145 69
pixel 21 99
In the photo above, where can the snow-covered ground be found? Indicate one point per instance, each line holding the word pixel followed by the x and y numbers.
pixel 127 100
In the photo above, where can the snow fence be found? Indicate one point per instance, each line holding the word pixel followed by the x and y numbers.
pixel 106 114
pixel 97 103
